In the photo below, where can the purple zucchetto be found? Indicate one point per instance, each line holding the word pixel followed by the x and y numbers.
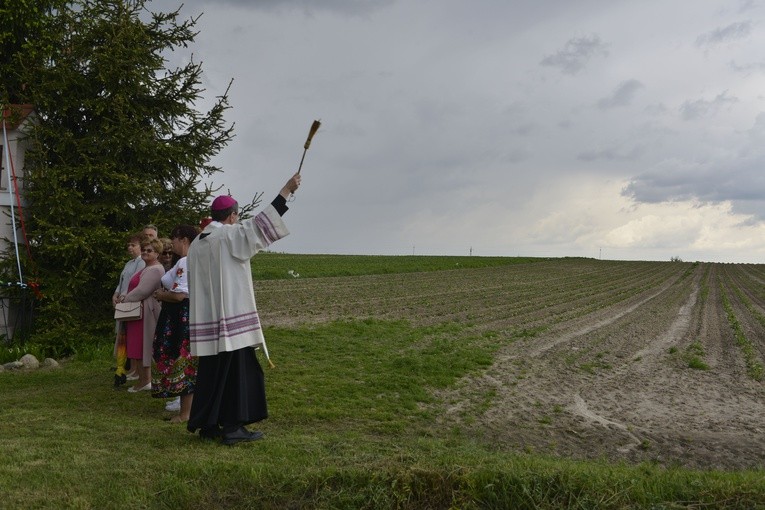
pixel 222 203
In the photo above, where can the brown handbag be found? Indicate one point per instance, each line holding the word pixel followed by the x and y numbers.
pixel 128 311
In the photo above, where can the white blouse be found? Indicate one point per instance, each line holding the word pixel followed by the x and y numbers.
pixel 176 279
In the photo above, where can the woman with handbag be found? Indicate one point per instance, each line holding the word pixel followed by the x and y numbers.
pixel 140 333
pixel 134 265
pixel 174 370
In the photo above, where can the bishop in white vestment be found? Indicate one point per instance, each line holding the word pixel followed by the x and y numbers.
pixel 224 322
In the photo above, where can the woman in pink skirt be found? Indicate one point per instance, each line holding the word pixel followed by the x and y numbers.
pixel 140 333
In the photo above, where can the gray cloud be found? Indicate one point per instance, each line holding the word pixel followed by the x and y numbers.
pixel 525 129
pixel 350 7
pixel 611 154
pixel 517 155
pixel 622 96
pixel 746 5
pixel 732 32
pixel 747 68
pixel 738 180
pixel 576 54
pixel 670 186
pixel 742 184
pixel 692 110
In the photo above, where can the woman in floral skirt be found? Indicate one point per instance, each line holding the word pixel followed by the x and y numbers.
pixel 173 369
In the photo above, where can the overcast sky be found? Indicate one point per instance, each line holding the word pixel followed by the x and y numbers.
pixel 614 129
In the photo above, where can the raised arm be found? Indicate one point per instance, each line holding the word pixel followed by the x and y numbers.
pixel 292 185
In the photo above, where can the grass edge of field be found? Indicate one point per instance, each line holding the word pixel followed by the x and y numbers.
pixel 348 464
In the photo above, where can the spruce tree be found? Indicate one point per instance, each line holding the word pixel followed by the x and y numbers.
pixel 118 143
pixel 23 22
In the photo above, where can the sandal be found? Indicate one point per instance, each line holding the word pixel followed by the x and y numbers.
pixel 136 389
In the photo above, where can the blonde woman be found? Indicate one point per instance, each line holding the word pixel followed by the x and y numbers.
pixel 134 265
pixel 167 258
pixel 140 333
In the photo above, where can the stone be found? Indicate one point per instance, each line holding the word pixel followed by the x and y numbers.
pixel 50 363
pixel 13 365
pixel 29 361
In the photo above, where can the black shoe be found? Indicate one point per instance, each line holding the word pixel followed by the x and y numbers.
pixel 119 380
pixel 241 435
pixel 210 434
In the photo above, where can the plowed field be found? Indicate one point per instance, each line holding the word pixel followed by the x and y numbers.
pixel 633 361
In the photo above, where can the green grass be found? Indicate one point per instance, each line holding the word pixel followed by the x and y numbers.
pixel 694 355
pixel 273 266
pixel 328 380
pixel 593 367
pixel 353 425
pixel 697 363
pixel 754 367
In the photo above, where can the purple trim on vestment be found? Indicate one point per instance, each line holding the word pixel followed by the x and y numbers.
pixel 267 227
pixel 226 327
